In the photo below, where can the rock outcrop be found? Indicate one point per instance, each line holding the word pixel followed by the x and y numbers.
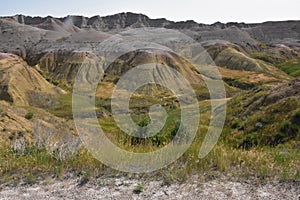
pixel 19 82
pixel 285 32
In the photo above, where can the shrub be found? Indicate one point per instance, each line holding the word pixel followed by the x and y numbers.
pixel 236 124
pixel 29 115
pixel 296 118
pixel 249 141
pixel 289 129
pixel 278 138
pixel 138 189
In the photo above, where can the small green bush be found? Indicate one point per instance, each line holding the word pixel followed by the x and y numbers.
pixel 248 141
pixel 138 189
pixel 29 115
pixel 236 124
pixel 296 118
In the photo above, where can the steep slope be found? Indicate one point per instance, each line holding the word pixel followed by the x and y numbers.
pixel 266 116
pixel 231 58
pixel 35 37
pixel 56 25
pixel 245 53
pixel 18 130
pixel 61 66
pixel 17 38
pixel 277 32
pixel 22 84
pixel 243 70
pixel 136 58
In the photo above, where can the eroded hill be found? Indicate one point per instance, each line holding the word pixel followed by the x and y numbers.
pixel 259 64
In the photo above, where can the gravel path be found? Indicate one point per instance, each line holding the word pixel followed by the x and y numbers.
pixel 124 188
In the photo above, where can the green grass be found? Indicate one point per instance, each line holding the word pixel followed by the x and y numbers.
pixel 29 115
pixel 252 123
pixel 267 57
pixel 64 106
pixel 261 160
pixel 291 67
pixel 128 142
pixel 261 163
pixel 36 164
pixel 139 188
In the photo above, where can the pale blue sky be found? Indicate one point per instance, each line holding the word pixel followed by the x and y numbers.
pixel 208 11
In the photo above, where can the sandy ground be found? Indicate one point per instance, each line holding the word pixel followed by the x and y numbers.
pixel 124 188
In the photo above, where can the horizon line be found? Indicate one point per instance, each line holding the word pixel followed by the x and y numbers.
pixel 155 18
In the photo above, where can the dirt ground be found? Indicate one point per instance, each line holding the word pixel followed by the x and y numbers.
pixel 131 188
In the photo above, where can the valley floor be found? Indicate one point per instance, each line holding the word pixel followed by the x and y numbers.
pixel 125 188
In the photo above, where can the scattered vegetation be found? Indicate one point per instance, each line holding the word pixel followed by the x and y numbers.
pixel 138 189
pixel 253 123
pixel 260 139
pixel 291 67
pixel 63 107
pixel 263 163
pixel 29 115
pixel 267 57
pixel 239 84
pixel 256 158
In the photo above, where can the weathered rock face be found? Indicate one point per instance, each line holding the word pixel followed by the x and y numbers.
pixel 233 57
pixel 136 58
pixel 286 32
pixel 284 91
pixel 58 46
pixel 61 65
pixel 51 42
pixel 18 81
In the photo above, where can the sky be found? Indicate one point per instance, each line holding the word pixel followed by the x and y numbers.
pixel 208 11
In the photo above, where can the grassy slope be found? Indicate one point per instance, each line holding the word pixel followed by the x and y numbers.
pixel 241 151
pixel 262 161
pixel 291 67
pixel 253 124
